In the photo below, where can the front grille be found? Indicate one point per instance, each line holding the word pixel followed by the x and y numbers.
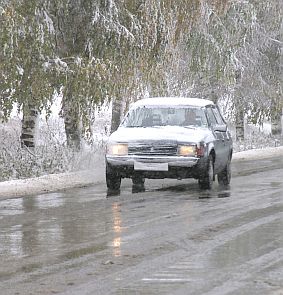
pixel 153 149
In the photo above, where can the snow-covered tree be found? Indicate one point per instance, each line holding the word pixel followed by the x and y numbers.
pixel 234 53
pixel 96 50
pixel 26 44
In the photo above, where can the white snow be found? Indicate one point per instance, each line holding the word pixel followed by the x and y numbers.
pixel 56 182
pixel 175 133
pixel 51 183
pixel 165 101
pixel 258 154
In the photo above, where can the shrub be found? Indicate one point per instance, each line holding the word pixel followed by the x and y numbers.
pixel 51 156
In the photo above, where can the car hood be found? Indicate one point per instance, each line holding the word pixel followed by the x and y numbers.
pixel 170 133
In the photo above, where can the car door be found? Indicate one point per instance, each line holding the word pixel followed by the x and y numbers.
pixel 219 140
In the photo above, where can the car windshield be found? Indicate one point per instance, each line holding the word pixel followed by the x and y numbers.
pixel 165 116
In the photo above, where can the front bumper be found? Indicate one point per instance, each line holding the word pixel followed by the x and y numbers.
pixel 173 161
pixel 178 167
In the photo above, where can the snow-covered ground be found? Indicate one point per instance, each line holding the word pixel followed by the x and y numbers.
pixel 56 182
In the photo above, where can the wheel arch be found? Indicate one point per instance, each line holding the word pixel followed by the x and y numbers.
pixel 231 154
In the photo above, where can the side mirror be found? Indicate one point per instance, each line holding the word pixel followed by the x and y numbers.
pixel 220 128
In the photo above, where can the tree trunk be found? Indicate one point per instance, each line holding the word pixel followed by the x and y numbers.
pixel 214 96
pixel 30 114
pixel 1 116
pixel 117 111
pixel 71 115
pixel 276 123
pixel 240 114
pixel 240 125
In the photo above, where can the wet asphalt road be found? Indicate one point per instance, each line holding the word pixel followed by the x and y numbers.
pixel 170 239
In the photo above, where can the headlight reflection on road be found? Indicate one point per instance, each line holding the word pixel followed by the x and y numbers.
pixel 116 243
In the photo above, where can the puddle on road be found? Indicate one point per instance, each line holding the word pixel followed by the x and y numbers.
pixel 275 184
pixel 11 207
pixel 49 201
pixel 49 223
pixel 11 242
pixel 248 246
pixel 29 204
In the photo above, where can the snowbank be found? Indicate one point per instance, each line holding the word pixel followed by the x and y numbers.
pixel 257 154
pixel 56 182
pixel 50 183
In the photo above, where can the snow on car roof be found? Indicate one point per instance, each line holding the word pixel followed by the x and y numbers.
pixel 172 101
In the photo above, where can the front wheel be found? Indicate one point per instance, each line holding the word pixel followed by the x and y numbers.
pixel 137 179
pixel 138 183
pixel 206 181
pixel 224 177
pixel 113 178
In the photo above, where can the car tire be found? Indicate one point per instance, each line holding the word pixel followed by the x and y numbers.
pixel 206 181
pixel 138 183
pixel 224 177
pixel 137 179
pixel 113 178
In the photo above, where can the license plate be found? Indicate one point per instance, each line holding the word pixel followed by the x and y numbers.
pixel 151 166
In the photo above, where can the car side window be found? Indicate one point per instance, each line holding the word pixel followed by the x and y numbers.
pixel 211 116
pixel 218 116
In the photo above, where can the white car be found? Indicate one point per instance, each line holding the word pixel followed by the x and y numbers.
pixel 170 137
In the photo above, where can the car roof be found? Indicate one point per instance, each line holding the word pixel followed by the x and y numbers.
pixel 172 101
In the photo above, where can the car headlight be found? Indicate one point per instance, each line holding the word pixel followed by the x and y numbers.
pixel 187 150
pixel 119 149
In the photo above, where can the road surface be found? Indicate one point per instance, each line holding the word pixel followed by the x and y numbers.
pixel 171 239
